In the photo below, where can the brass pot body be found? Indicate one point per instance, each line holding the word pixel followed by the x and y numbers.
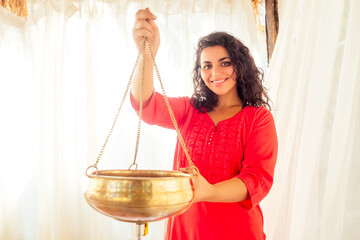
pixel 140 196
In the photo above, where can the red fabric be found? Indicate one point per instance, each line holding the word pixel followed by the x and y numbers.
pixel 243 146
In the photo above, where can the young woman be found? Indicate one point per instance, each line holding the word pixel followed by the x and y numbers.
pixel 228 130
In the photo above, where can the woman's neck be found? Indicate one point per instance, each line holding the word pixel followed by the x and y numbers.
pixel 225 102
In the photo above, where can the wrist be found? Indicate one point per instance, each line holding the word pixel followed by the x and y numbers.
pixel 211 193
pixel 147 57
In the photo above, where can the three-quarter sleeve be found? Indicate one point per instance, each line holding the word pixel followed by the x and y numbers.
pixel 155 110
pixel 260 154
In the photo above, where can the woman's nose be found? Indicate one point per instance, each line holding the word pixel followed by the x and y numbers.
pixel 215 71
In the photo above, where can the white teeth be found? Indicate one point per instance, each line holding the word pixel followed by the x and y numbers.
pixel 219 81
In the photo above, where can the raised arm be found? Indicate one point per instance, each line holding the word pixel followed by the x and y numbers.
pixel 145 27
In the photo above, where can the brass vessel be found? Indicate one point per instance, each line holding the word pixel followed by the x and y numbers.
pixel 140 196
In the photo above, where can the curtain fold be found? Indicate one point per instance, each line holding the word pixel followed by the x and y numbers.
pixel 314 81
pixel 62 76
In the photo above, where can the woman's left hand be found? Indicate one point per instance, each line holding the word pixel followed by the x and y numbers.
pixel 203 190
pixel 231 190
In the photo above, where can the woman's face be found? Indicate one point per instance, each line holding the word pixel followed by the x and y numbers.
pixel 217 71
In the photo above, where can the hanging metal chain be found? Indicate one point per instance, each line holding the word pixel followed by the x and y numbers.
pixel 141 105
pixel 142 50
pixel 171 112
pixel 118 113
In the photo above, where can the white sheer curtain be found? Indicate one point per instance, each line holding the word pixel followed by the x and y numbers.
pixel 62 75
pixel 314 77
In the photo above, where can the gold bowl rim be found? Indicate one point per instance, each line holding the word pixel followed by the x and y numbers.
pixel 142 174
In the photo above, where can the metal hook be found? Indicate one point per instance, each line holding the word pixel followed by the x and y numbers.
pixel 92 166
pixel 134 164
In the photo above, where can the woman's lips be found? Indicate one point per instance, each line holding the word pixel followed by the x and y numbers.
pixel 217 82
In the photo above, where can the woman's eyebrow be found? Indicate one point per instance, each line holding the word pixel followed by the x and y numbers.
pixel 221 59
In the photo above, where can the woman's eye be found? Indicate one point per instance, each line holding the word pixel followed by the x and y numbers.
pixel 225 64
pixel 207 66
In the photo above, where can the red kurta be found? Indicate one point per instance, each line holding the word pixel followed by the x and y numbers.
pixel 243 146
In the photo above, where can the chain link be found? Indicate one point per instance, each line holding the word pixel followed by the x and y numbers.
pixel 170 110
pixel 118 111
pixel 142 50
pixel 141 104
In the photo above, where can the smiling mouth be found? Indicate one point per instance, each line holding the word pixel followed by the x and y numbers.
pixel 218 81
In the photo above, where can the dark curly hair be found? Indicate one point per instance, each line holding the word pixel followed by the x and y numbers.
pixel 248 77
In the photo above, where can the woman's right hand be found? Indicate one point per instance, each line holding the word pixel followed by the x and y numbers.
pixel 145 27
